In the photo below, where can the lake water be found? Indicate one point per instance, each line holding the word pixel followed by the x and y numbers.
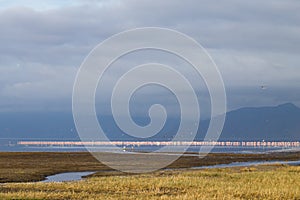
pixel 68 176
pixel 216 149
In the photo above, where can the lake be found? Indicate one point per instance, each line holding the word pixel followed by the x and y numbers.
pixel 216 149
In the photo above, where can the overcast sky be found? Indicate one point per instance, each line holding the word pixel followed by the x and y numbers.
pixel 43 43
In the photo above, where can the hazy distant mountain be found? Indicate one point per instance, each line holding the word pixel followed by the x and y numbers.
pixel 269 123
pixel 264 123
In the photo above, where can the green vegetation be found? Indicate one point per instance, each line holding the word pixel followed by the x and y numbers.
pixel 264 182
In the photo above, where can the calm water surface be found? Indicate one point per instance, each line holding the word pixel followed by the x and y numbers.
pixel 68 176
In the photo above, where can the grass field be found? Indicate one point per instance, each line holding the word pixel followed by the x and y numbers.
pixel 257 182
pixel 264 182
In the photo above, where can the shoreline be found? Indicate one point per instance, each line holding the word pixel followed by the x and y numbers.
pixel 36 166
pixel 76 176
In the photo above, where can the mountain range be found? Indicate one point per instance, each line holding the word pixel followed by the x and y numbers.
pixel 278 123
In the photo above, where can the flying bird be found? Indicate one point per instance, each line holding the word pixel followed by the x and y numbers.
pixel 263 87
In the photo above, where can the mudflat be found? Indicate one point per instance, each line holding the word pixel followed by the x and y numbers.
pixel 35 166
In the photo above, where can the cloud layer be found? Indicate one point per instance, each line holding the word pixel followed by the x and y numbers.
pixel 253 43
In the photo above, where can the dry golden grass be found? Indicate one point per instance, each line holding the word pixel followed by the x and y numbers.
pixel 265 182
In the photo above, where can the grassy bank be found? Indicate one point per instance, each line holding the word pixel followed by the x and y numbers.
pixel 264 182
pixel 26 167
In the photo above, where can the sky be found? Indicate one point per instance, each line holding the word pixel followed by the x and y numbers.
pixel 43 43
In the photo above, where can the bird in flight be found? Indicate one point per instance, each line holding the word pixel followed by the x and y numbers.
pixel 263 87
